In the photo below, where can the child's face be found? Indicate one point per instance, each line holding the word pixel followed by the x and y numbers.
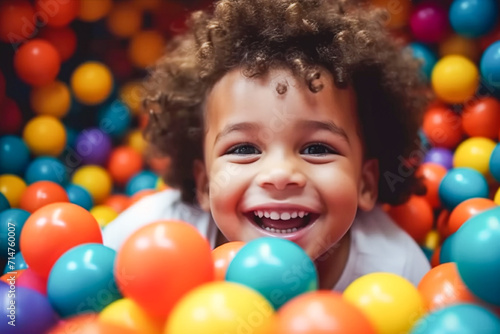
pixel 289 165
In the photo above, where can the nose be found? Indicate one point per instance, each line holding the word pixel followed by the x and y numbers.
pixel 280 175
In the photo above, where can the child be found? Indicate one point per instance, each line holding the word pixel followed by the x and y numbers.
pixel 286 118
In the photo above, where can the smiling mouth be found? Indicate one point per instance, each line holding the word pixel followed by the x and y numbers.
pixel 282 222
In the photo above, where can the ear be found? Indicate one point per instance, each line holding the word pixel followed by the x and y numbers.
pixel 368 192
pixel 201 180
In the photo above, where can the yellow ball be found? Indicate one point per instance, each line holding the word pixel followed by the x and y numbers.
pixel 136 141
pixel 131 93
pixel 459 45
pixel 104 214
pixel 432 240
pixel 92 83
pixel 475 153
pixel 96 180
pixel 390 302
pixel 93 10
pixel 496 199
pixel 145 48
pixel 124 20
pixel 221 307
pixel 126 314
pixel 53 99
pixel 12 187
pixel 45 135
pixel 455 79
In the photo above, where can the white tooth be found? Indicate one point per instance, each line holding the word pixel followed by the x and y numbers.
pixel 274 215
pixel 285 216
pixel 266 214
pixel 294 229
pixel 305 214
pixel 260 214
pixel 272 229
pixel 255 213
pixel 289 230
pixel 294 215
pixel 301 214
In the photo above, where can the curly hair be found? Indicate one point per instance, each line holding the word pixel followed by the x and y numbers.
pixel 340 36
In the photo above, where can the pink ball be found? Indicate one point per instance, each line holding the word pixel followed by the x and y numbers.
pixel 429 22
pixel 30 279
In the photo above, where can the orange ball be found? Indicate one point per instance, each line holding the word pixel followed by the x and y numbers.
pixel 41 193
pixel 442 286
pixel 17 21
pixel 435 257
pixel 37 62
pixel 222 256
pixel 161 262
pixel 52 230
pixel 87 323
pixel 415 217
pixel 481 118
pixel 124 162
pixel 397 12
pixel 57 13
pixel 91 11
pixel 467 209
pixel 321 312
pixel 124 20
pixel 63 39
pixel 432 174
pixel 118 202
pixel 442 127
pixel 442 224
pixel 145 48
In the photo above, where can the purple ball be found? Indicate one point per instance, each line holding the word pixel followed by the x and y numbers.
pixel 429 22
pixel 439 155
pixel 31 311
pixel 93 146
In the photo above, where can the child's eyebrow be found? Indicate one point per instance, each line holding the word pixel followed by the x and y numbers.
pixel 327 125
pixel 243 126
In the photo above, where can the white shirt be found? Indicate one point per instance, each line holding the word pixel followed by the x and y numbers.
pixel 377 243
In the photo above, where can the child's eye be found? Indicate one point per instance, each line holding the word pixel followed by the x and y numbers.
pixel 318 149
pixel 243 149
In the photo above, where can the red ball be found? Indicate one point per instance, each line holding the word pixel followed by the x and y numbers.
pixel 481 118
pixel 11 116
pixel 223 255
pixel 442 127
pixel 41 193
pixel 124 162
pixel 37 62
pixel 118 202
pixel 467 209
pixel 57 13
pixel 432 174
pixel 415 217
pixel 17 21
pixel 63 39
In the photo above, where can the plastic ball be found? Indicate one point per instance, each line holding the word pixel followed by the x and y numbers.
pixel 82 280
pixel 423 53
pixel 58 14
pixel 429 22
pixel 45 135
pixel 13 29
pixel 79 196
pixel 93 146
pixel 46 169
pixel 475 153
pixel 52 230
pixel 460 184
pixel 494 163
pixel 92 83
pixel 485 41
pixel 95 180
pixel 7 278
pixel 115 119
pixel 442 127
pixel 12 119
pixel 414 216
pixel 103 214
pixel 265 264
pixel 64 39
pixel 14 155
pixel 17 263
pixel 460 318
pixel 141 181
pixel 466 210
pixel 473 18
pixel 12 187
pixel 455 79
pixel 126 313
pixel 226 307
pixel 119 202
pixel 85 323
pixel 124 20
pixel 445 255
pixel 490 65
pixel 135 140
pixel 432 174
pixel 131 94
pixel 25 308
pixel 459 45
pixel 30 279
pixel 41 193
pixel 53 99
pixel 321 312
pixel 4 203
pixel 124 162
pixel 176 252
pixel 147 5
pixel 37 62
pixel 481 118
pixel 94 10
pixel 145 48
pixel 222 257
pixel 391 303
pixel 440 156
pixel 11 224
pixel 397 13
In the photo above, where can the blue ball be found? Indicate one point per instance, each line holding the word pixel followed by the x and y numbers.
pixel 277 268
pixel 71 136
pixel 490 65
pixel 458 319
pixel 141 181
pixel 4 203
pixel 460 184
pixel 426 55
pixel 473 18
pixel 494 163
pixel 15 263
pixel 14 155
pixel 46 169
pixel 82 280
pixel 79 196
pixel 475 249
pixel 11 224
pixel 114 119
pixel 445 252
